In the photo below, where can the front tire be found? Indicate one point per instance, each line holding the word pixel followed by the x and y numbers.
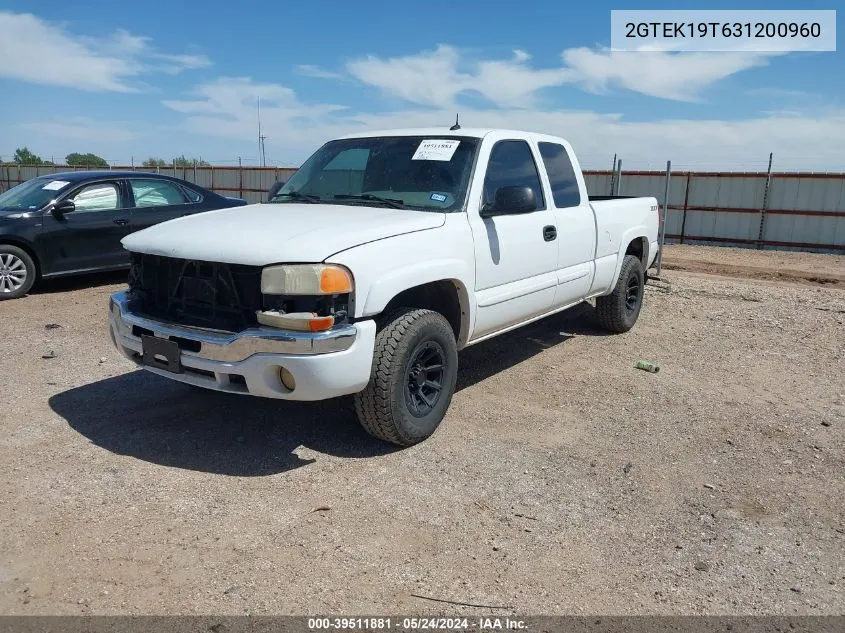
pixel 415 368
pixel 618 311
pixel 17 272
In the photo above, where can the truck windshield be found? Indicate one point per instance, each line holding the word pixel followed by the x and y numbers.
pixel 413 172
pixel 32 194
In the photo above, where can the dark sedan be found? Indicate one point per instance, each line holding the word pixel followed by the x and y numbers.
pixel 72 222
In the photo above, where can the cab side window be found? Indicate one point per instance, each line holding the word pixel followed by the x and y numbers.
pixel 512 164
pixel 102 196
pixel 561 175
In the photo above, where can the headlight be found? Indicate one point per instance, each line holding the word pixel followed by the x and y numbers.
pixel 306 279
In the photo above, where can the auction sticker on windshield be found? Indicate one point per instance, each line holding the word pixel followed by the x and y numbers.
pixel 436 149
pixel 55 185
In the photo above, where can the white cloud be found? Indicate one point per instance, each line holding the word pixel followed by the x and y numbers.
pixel 520 55
pixel 677 76
pixel 226 109
pixel 84 129
pixel 780 93
pixel 37 51
pixel 437 78
pixel 309 70
pixel 175 64
pixel 237 97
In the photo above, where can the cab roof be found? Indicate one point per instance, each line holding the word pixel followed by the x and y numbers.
pixel 434 132
pixel 469 132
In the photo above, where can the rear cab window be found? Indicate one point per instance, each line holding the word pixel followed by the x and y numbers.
pixel 562 178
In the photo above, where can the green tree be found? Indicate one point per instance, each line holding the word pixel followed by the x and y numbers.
pixel 181 161
pixel 24 157
pixel 154 162
pixel 85 160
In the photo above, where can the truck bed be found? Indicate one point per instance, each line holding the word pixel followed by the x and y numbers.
pixel 618 216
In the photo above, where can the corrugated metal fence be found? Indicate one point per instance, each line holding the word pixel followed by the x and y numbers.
pixel 249 183
pixel 795 211
pixel 791 211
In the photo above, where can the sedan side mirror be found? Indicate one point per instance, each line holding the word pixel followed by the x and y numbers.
pixel 510 200
pixel 63 207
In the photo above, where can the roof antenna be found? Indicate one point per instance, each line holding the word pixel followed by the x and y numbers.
pixel 457 125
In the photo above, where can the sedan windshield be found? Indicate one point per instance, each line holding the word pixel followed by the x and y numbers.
pixel 32 194
pixel 413 172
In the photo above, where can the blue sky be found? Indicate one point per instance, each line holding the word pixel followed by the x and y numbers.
pixel 161 79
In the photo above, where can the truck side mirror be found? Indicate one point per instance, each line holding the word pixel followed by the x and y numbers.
pixel 510 200
pixel 274 189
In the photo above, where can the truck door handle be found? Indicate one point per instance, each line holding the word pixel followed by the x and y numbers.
pixel 549 233
pixel 121 222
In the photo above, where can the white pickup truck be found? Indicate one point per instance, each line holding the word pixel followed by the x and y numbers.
pixel 380 258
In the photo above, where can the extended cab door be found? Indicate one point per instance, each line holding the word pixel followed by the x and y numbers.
pixel 516 249
pixel 88 238
pixel 576 224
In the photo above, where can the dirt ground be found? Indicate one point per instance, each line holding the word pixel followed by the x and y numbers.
pixel 809 268
pixel 563 480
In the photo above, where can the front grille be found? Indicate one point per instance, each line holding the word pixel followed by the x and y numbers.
pixel 197 293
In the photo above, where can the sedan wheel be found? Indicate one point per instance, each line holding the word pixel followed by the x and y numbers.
pixel 12 273
pixel 17 272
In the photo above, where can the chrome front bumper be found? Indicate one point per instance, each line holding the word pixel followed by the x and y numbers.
pixel 227 346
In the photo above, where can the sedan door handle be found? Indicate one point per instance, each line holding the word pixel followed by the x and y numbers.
pixel 549 233
pixel 121 222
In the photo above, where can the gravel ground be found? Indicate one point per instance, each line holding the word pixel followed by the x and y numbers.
pixel 563 480
pixel 807 268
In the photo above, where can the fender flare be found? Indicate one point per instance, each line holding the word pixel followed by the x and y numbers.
pixel 637 232
pixel 394 282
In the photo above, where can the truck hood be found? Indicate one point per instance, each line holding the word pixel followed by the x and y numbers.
pixel 262 234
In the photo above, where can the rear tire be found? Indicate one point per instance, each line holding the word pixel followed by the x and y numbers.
pixel 17 272
pixel 618 311
pixel 415 368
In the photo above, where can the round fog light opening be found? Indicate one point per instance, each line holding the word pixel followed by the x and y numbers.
pixel 287 379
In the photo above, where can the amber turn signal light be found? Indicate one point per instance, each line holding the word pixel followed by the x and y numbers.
pixel 335 280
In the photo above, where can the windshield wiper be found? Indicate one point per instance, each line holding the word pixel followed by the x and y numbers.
pixel 391 202
pixel 298 195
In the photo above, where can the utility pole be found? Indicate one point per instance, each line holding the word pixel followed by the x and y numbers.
pixel 260 137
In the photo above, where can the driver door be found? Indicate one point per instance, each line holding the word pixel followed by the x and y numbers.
pixel 515 253
pixel 89 237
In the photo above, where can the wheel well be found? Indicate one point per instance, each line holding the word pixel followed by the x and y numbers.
pixel 639 249
pixel 440 296
pixel 26 248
